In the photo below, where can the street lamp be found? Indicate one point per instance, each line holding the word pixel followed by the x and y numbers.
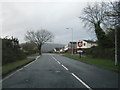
pixel 116 61
pixel 72 39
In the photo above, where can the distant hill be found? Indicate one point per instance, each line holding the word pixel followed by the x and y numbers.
pixel 50 46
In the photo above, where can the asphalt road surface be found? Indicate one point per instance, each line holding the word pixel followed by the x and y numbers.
pixel 56 71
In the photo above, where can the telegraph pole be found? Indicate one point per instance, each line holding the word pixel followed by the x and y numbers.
pixel 72 39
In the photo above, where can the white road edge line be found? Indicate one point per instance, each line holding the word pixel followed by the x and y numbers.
pixel 8 76
pixel 18 70
pixel 37 57
pixel 81 81
pixel 11 74
pixel 65 67
pixel 32 61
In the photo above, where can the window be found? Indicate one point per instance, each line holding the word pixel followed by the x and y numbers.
pixel 84 44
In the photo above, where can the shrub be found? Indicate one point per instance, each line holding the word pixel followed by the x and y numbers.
pixel 107 53
pixel 11 51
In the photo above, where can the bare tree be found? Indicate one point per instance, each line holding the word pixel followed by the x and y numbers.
pixel 95 16
pixel 114 13
pixel 39 37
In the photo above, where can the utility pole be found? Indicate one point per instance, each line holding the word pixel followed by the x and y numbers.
pixel 72 39
pixel 116 28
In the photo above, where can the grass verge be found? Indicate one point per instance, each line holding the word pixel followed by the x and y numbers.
pixel 37 54
pixel 108 64
pixel 14 65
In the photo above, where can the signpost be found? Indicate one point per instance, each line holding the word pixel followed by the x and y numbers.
pixel 80 52
pixel 80 44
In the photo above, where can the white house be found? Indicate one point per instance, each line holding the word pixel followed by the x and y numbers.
pixel 58 50
pixel 66 47
pixel 75 47
pixel 71 47
pixel 87 44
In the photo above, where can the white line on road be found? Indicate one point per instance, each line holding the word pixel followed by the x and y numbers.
pixel 32 61
pixel 54 58
pixel 73 75
pixel 29 63
pixel 58 62
pixel 18 70
pixel 81 81
pixel 65 67
pixel 12 74
pixel 37 57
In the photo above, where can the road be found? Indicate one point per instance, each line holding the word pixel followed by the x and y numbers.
pixel 56 71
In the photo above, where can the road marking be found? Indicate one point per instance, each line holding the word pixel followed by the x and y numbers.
pixel 29 63
pixel 18 70
pixel 12 74
pixel 54 58
pixel 65 67
pixel 81 81
pixel 32 61
pixel 58 62
pixel 37 57
pixel 73 75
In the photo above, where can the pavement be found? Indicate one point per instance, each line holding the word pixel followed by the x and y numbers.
pixel 56 71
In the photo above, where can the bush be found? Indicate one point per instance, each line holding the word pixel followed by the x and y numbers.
pixel 107 53
pixel 11 51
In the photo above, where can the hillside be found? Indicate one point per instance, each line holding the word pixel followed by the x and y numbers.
pixel 50 46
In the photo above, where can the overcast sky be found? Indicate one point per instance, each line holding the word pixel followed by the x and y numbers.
pixel 55 16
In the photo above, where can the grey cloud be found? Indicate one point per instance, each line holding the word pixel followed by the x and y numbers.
pixel 55 17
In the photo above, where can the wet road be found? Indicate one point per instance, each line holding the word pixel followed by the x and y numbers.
pixel 56 71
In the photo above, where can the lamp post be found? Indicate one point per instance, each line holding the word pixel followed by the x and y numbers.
pixel 72 39
pixel 116 61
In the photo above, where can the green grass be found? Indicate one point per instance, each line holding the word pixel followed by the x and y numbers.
pixel 96 61
pixel 37 54
pixel 11 66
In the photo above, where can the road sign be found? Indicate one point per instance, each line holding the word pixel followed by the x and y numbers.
pixel 79 51
pixel 80 44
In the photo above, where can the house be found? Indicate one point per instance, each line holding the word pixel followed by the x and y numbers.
pixel 66 47
pixel 58 50
pixel 75 47
pixel 87 44
pixel 71 47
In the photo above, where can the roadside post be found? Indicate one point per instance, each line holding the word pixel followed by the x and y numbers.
pixel 80 52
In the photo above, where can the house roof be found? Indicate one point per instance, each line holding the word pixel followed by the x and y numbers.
pixel 89 41
pixel 57 49
pixel 73 42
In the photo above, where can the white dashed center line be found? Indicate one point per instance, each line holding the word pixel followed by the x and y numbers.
pixel 73 74
pixel 81 81
pixel 54 58
pixel 58 62
pixel 65 67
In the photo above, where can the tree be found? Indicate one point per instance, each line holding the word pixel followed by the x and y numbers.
pixel 115 15
pixel 39 37
pixel 29 48
pixel 95 17
pixel 11 50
